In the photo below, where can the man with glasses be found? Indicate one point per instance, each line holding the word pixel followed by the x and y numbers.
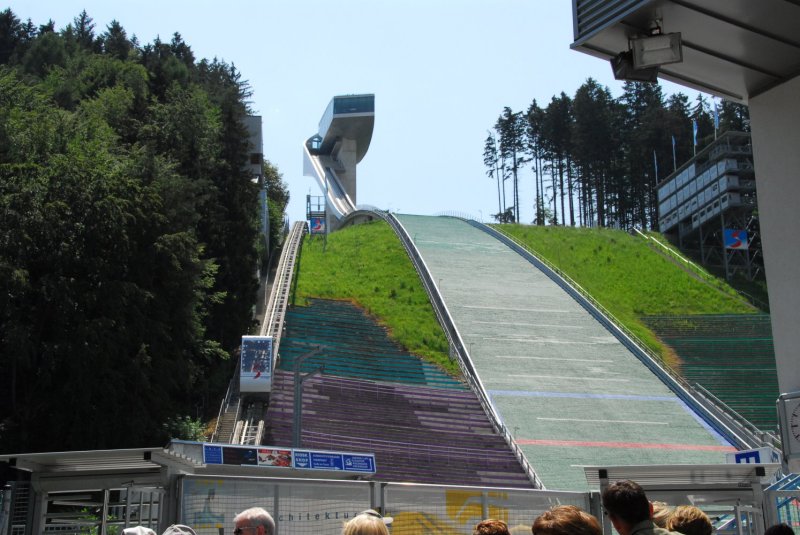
pixel 254 521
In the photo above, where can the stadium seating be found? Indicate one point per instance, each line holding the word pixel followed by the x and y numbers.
pixel 418 434
pixel 423 425
pixel 731 356
pixel 353 345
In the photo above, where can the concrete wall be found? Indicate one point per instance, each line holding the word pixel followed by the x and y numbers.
pixel 775 121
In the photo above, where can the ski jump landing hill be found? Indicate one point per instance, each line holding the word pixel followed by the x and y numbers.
pixel 571 390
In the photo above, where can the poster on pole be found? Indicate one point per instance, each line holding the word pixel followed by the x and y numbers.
pixel 317 225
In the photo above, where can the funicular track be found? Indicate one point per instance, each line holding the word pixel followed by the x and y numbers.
pixel 241 420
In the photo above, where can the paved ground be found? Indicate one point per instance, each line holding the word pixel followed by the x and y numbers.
pixel 570 392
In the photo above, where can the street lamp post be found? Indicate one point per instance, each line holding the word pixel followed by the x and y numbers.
pixel 297 416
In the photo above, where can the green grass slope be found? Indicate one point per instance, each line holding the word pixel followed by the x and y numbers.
pixel 367 265
pixel 629 278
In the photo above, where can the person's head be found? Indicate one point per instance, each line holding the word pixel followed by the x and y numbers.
pixel 179 529
pixel 626 505
pixel 138 530
pixel 254 521
pixel 661 512
pixel 779 529
pixel 491 527
pixel 689 520
pixel 368 522
pixel 566 520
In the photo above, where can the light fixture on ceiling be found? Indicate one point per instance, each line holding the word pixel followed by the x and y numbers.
pixel 646 54
pixel 623 69
pixel 655 50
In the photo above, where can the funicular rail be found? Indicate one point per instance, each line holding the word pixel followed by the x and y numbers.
pixel 458 349
pixel 247 424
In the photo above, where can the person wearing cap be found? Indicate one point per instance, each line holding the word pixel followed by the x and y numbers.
pixel 138 530
pixel 369 522
pixel 254 521
pixel 179 529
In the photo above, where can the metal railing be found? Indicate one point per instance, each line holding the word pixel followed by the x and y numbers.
pixel 699 271
pixel 727 424
pixel 223 407
pixel 457 347
pixel 767 438
pixel 281 287
pixel 250 429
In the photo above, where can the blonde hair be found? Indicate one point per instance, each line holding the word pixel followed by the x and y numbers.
pixel 689 520
pixel 365 524
pixel 661 514
pixel 566 520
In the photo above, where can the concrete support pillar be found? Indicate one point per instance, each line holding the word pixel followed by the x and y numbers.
pixel 346 156
pixel 775 123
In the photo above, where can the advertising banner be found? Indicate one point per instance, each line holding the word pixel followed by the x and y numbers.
pixel 318 225
pixel 735 239
pixel 256 364
pixel 271 456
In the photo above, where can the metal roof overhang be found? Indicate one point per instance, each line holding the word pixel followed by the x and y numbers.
pixel 736 49
pixel 141 467
pixel 96 461
pixel 681 476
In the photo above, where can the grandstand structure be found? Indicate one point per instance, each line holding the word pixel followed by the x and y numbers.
pixel 729 355
pixel 423 425
pixel 708 205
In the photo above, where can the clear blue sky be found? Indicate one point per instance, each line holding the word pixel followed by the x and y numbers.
pixel 441 72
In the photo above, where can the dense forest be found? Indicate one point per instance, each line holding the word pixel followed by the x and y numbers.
pixel 129 235
pixel 596 160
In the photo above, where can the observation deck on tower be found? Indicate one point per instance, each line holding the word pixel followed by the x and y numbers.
pixel 331 155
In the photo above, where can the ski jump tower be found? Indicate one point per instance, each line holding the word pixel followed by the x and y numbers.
pixel 331 155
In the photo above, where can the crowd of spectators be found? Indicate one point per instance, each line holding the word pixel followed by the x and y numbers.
pixel 624 503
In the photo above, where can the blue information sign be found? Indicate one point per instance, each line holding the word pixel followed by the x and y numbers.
pixel 301 459
pixel 326 461
pixel 212 454
pixel 359 463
